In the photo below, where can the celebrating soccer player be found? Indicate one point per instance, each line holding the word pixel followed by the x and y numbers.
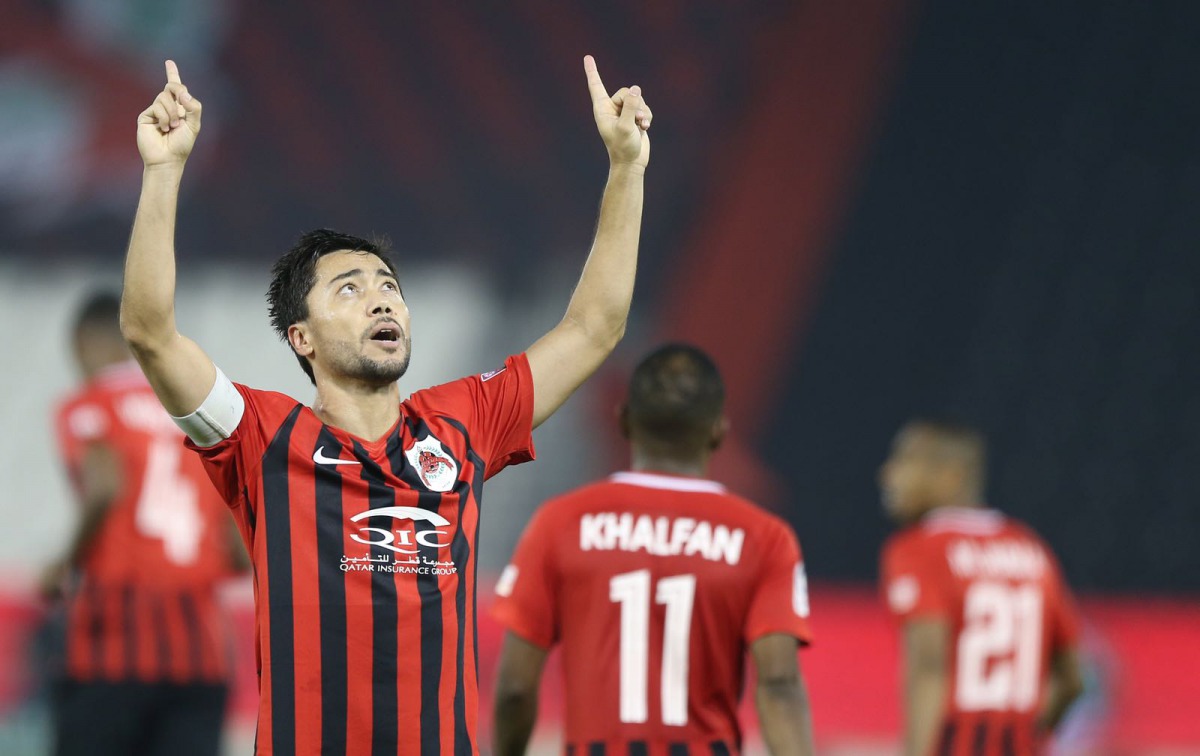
pixel 146 655
pixel 655 583
pixel 989 629
pixel 361 513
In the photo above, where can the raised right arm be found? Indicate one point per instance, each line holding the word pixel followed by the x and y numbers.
pixel 180 372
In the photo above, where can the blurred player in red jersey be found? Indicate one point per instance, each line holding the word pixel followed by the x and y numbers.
pixel 989 626
pixel 146 658
pixel 655 583
pixel 361 512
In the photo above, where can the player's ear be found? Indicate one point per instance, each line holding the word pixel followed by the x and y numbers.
pixel 298 337
pixel 623 421
pixel 720 430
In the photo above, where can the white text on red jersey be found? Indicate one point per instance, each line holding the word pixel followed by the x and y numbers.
pixel 660 536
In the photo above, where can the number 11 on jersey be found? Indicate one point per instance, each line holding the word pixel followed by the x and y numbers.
pixel 632 591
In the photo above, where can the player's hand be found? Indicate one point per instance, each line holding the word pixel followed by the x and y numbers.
pixel 167 130
pixel 622 119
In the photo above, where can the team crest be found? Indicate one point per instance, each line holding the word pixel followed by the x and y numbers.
pixel 433 464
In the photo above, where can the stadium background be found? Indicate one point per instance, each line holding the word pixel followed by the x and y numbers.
pixel 863 209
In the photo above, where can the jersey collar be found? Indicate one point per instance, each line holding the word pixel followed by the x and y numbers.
pixel 667 482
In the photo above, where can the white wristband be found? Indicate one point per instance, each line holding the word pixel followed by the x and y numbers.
pixel 218 417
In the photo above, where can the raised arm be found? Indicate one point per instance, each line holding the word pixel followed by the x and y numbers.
pixel 595 320
pixel 180 372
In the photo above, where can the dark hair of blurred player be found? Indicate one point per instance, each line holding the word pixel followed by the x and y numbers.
pixel 656 583
pixel 144 667
pixel 988 624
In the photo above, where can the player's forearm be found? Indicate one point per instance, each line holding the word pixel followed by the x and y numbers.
pixel 148 298
pixel 784 715
pixel 925 697
pixel 94 514
pixel 600 304
pixel 515 714
pixel 1063 691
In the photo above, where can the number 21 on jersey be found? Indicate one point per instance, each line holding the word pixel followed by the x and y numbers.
pixel 632 591
pixel 999 649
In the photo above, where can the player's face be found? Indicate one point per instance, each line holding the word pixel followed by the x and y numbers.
pixel 358 322
pixel 912 478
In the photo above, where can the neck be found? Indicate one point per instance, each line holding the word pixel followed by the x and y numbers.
pixel 692 467
pixel 366 411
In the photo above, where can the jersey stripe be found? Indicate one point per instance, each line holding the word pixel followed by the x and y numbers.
pixel 948 733
pixel 1007 747
pixel 129 626
pixel 979 744
pixel 191 630
pixel 281 639
pixel 384 735
pixel 158 618
pixel 461 552
pixel 332 595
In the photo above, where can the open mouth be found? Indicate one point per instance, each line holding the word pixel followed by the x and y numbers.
pixel 386 333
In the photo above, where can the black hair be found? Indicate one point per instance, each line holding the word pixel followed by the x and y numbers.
pixel 965 439
pixel 676 396
pixel 101 309
pixel 295 273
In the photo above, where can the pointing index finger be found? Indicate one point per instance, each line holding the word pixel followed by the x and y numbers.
pixel 595 85
pixel 173 73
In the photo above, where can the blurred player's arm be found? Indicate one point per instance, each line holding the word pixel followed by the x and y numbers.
pixel 99 480
pixel 926 681
pixel 595 319
pixel 180 372
pixel 517 682
pixel 1064 687
pixel 781 696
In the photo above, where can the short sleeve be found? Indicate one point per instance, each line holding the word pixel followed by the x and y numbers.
pixel 780 600
pixel 497 409
pixel 525 593
pixel 909 584
pixel 232 462
pixel 80 423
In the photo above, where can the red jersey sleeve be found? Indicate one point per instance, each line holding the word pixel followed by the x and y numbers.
pixel 232 463
pixel 912 587
pixel 525 593
pixel 80 421
pixel 780 600
pixel 496 408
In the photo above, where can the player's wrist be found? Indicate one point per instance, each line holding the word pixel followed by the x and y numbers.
pixel 624 169
pixel 172 169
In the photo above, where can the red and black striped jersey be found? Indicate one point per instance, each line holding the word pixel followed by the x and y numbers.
pixel 1001 592
pixel 365 562
pixel 145 609
pixel 655 586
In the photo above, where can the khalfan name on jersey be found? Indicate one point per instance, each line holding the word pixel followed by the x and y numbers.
pixel 661 536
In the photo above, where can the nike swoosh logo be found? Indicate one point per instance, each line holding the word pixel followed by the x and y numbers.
pixel 320 458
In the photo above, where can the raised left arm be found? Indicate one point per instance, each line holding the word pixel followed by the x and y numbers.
pixel 595 320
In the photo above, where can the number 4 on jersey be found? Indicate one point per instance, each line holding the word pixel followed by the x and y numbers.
pixel 632 591
pixel 167 507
